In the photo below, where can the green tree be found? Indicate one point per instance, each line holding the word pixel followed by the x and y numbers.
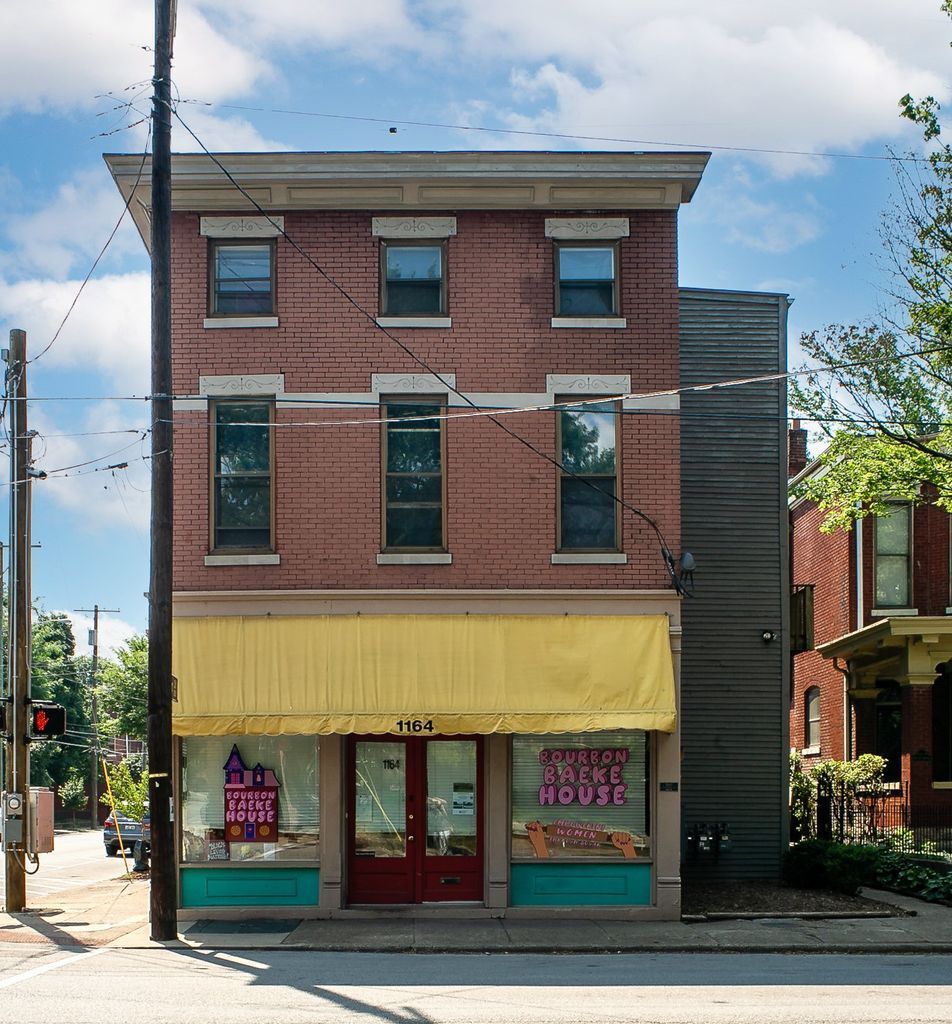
pixel 884 397
pixel 55 677
pixel 123 690
pixel 130 789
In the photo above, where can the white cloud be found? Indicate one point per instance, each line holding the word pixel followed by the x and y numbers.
pixel 803 76
pixel 119 496
pixel 72 227
pixel 219 134
pixel 113 632
pixel 57 55
pixel 107 332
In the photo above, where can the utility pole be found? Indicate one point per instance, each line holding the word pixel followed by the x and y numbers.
pixel 17 782
pixel 94 715
pixel 163 898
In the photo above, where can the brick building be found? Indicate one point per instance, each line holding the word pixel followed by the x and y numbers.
pixel 877 679
pixel 457 652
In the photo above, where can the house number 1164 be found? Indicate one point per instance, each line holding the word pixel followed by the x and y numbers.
pixel 415 725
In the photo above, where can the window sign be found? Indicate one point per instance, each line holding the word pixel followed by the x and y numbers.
pixel 286 765
pixel 251 801
pixel 579 796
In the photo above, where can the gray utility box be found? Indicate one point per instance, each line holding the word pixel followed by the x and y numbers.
pixel 41 821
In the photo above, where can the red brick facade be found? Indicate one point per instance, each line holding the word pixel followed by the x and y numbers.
pixel 501 497
pixel 828 561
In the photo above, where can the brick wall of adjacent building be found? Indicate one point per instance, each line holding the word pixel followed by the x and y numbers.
pixel 501 497
pixel 825 560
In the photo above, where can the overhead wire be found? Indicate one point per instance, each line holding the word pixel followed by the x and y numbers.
pixel 568 136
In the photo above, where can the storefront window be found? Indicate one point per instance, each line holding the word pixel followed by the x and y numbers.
pixel 580 795
pixel 250 798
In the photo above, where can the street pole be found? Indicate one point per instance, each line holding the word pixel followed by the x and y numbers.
pixel 94 716
pixel 18 748
pixel 163 898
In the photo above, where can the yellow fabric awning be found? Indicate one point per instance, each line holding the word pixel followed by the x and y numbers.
pixel 462 673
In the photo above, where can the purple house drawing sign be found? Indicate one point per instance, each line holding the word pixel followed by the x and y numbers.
pixel 251 802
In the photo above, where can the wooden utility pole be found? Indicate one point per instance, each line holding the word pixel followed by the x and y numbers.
pixel 94 716
pixel 18 747
pixel 163 898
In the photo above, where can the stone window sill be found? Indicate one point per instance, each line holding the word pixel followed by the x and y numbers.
pixel 589 321
pixel 942 785
pixel 414 558
pixel 230 322
pixel 810 751
pixel 262 559
pixel 884 612
pixel 589 558
pixel 414 321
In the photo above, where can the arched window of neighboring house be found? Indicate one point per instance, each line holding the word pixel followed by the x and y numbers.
pixel 811 717
pixel 942 726
pixel 889 729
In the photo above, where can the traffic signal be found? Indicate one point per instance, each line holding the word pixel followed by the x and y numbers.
pixel 46 720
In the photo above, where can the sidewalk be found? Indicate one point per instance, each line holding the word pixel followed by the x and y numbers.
pixel 116 914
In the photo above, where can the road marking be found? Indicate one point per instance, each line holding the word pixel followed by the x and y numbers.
pixel 26 975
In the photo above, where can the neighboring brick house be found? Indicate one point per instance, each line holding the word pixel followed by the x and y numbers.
pixel 877 679
pixel 458 654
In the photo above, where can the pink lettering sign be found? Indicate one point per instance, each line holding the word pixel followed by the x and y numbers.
pixel 593 777
pixel 251 802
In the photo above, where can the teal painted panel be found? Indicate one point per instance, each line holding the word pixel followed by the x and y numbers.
pixel 581 885
pixel 249 887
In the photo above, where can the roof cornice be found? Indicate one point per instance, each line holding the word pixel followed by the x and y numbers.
pixel 410 182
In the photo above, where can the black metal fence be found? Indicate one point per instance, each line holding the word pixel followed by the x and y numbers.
pixel 842 814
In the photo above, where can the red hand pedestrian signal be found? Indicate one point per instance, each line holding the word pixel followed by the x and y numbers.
pixel 47 720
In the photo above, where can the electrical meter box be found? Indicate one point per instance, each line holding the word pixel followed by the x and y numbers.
pixel 11 819
pixel 41 821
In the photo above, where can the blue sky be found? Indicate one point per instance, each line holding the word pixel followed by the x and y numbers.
pixel 814 77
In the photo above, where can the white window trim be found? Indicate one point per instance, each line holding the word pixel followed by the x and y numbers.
pixel 264 559
pixel 242 227
pixel 414 321
pixel 413 227
pixel 412 383
pixel 589 558
pixel 589 322
pixel 414 558
pixel 596 228
pixel 883 613
pixel 233 322
pixel 241 385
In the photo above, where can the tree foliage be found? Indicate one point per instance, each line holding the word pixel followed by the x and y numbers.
pixel 883 396
pixel 129 782
pixel 56 677
pixel 122 690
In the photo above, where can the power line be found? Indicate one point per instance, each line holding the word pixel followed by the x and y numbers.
pixel 102 252
pixel 556 135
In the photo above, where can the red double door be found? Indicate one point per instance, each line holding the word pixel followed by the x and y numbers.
pixel 414 819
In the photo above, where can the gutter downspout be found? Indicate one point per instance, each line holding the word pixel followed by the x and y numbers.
pixel 860 617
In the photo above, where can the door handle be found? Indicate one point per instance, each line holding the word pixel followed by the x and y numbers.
pixel 410 839
pixel 410 816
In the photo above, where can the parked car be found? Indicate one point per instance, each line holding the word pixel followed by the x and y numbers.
pixel 129 831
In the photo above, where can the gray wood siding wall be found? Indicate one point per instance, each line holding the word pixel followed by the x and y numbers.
pixel 734 686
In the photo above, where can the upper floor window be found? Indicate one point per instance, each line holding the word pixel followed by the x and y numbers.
pixel 811 717
pixel 588 479
pixel 413 279
pixel 587 280
pixel 413 478
pixel 242 476
pixel 894 557
pixel 241 278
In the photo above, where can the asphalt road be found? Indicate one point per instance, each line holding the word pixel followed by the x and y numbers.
pixel 78 859
pixel 40 985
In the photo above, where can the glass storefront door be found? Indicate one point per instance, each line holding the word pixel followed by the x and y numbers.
pixel 413 819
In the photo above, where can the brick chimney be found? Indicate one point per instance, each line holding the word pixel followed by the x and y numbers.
pixel 796 449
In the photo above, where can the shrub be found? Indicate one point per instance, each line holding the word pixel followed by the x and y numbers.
pixel 821 864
